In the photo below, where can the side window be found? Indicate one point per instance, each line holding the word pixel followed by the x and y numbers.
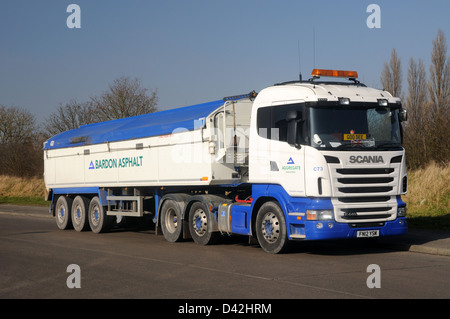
pixel 264 121
pixel 271 121
pixel 279 121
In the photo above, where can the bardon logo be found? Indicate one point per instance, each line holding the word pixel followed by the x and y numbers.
pixel 366 159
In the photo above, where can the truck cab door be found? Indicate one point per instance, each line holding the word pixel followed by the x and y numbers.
pixel 272 159
pixel 287 167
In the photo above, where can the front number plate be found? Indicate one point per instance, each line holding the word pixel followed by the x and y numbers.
pixel 367 233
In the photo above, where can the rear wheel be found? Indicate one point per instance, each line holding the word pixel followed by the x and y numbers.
pixel 271 228
pixel 171 221
pixel 98 220
pixel 80 213
pixel 62 212
pixel 199 225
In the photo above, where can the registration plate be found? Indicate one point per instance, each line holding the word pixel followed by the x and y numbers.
pixel 350 137
pixel 367 233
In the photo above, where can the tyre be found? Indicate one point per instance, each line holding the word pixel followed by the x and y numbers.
pixel 199 225
pixel 98 220
pixel 79 214
pixel 171 221
pixel 271 228
pixel 62 212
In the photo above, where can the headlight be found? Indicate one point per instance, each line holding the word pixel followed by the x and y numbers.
pixel 323 214
pixel 401 212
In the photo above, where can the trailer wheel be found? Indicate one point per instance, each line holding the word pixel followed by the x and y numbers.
pixel 62 212
pixel 98 220
pixel 199 223
pixel 80 213
pixel 271 228
pixel 171 221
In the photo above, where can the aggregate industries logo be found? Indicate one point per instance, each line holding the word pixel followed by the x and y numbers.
pixel 290 166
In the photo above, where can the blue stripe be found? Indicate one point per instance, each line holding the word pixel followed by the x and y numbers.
pixel 76 190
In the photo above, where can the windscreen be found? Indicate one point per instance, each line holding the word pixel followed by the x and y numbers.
pixel 340 127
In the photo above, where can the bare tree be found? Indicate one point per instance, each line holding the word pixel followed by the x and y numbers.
pixel 439 91
pixel 427 136
pixel 391 76
pixel 417 90
pixel 20 150
pixel 126 97
pixel 416 104
pixel 439 83
pixel 16 125
pixel 68 117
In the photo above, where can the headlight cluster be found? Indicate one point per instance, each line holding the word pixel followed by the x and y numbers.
pixel 322 214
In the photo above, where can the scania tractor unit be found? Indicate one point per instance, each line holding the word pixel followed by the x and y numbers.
pixel 300 160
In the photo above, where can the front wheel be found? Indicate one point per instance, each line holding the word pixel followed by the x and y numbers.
pixel 271 228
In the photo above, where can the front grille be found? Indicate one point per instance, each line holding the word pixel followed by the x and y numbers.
pixel 364 181
pixel 357 190
pixel 366 213
pixel 365 195
pixel 365 209
pixel 364 171
pixel 364 199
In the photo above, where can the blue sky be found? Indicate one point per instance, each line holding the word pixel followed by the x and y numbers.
pixel 195 51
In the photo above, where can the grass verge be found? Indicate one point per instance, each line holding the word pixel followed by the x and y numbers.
pixel 28 201
pixel 428 198
pixel 22 191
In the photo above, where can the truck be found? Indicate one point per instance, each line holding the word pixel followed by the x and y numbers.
pixel 316 159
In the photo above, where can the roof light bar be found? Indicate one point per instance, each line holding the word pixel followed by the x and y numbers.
pixel 334 73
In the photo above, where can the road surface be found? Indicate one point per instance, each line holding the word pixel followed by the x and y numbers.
pixel 37 260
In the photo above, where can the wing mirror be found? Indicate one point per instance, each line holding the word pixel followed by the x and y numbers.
pixel 293 118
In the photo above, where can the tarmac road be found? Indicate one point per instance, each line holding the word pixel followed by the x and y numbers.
pixel 131 263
